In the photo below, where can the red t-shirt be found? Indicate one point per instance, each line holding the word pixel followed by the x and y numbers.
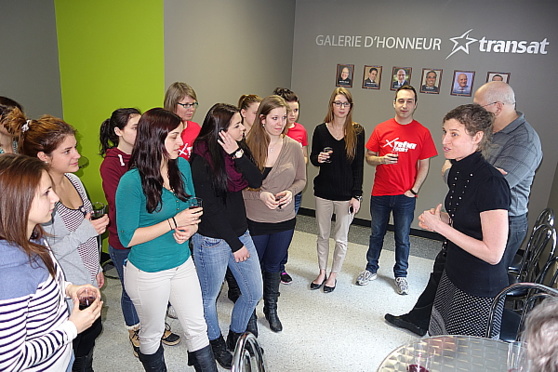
pixel 189 135
pixel 413 142
pixel 299 134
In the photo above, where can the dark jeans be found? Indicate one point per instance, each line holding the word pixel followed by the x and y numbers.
pixel 403 209
pixel 297 202
pixel 119 256
pixel 518 231
pixel 272 249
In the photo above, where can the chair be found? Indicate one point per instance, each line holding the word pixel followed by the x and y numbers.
pixel 512 322
pixel 543 238
pixel 248 355
pixel 546 217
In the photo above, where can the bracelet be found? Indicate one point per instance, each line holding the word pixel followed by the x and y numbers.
pixel 175 224
pixel 413 192
pixel 168 220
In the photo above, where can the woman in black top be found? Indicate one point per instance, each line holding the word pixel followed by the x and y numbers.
pixel 221 170
pixel 475 227
pixel 338 150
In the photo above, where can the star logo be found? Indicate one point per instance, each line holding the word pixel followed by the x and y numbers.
pixel 461 43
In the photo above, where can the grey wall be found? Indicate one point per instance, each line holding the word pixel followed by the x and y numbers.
pixel 29 71
pixel 224 49
pixel 314 68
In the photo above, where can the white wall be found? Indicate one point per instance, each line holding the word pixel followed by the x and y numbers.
pixel 224 49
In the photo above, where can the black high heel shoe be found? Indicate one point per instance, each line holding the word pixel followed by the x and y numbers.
pixel 314 286
pixel 330 289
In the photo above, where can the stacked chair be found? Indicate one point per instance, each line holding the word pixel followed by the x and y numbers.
pixel 533 276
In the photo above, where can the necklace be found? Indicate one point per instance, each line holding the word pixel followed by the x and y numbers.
pixel 271 147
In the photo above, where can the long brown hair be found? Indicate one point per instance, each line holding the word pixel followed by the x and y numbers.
pixel 350 128
pixel 44 134
pixel 20 176
pixel 258 139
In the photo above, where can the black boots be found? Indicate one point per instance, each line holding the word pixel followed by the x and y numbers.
pixel 252 325
pixel 154 362
pixel 271 283
pixel 202 360
pixel 220 352
pixel 234 290
pixel 83 363
pixel 232 338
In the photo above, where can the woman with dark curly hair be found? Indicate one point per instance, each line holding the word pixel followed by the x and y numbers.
pixel 475 226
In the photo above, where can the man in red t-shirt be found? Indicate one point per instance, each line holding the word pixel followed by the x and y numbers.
pixel 400 149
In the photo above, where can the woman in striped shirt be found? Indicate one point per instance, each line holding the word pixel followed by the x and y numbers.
pixel 35 331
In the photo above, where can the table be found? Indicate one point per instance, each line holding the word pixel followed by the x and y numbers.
pixel 452 353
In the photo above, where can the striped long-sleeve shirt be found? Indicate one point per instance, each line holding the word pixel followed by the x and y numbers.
pixel 35 333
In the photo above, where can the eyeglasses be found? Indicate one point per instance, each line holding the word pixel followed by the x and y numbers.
pixel 188 105
pixel 491 103
pixel 342 104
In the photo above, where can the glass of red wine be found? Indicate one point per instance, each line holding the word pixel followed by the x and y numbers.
pixel 86 297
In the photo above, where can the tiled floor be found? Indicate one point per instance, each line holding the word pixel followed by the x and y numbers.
pixel 340 331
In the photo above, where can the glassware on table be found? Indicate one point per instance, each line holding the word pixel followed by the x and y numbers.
pixel 517 357
pixel 99 210
pixel 328 150
pixel 420 359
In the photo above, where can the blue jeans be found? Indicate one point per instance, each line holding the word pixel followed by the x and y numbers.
pixel 212 256
pixel 272 249
pixel 118 257
pixel 403 209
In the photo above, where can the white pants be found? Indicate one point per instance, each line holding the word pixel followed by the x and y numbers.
pixel 150 293
pixel 324 210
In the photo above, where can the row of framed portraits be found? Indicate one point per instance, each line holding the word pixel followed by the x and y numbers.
pixel 431 79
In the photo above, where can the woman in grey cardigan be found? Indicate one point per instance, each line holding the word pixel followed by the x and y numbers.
pixel 270 209
pixel 72 234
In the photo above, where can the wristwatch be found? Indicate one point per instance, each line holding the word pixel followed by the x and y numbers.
pixel 238 154
pixel 359 198
pixel 413 192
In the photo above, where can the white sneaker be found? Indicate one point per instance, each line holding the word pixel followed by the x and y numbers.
pixel 401 285
pixel 365 277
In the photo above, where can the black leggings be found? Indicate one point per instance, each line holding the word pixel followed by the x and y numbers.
pixel 85 341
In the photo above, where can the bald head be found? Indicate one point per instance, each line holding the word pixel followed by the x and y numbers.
pixel 496 91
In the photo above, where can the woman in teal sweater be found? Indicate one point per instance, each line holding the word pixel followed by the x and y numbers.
pixel 154 220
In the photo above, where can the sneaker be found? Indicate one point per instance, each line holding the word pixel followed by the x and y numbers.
pixel 401 285
pixel 365 277
pixel 169 338
pixel 286 278
pixel 134 340
pixel 171 313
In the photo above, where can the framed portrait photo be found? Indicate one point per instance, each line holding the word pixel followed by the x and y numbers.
pixel 462 83
pixel 372 77
pixel 431 80
pixel 344 76
pixel 498 76
pixel 400 76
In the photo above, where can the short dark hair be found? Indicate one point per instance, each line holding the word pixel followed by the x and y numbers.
pixel 373 69
pixel 406 87
pixel 476 119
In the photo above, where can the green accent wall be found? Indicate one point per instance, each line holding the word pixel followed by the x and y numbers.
pixel 111 55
